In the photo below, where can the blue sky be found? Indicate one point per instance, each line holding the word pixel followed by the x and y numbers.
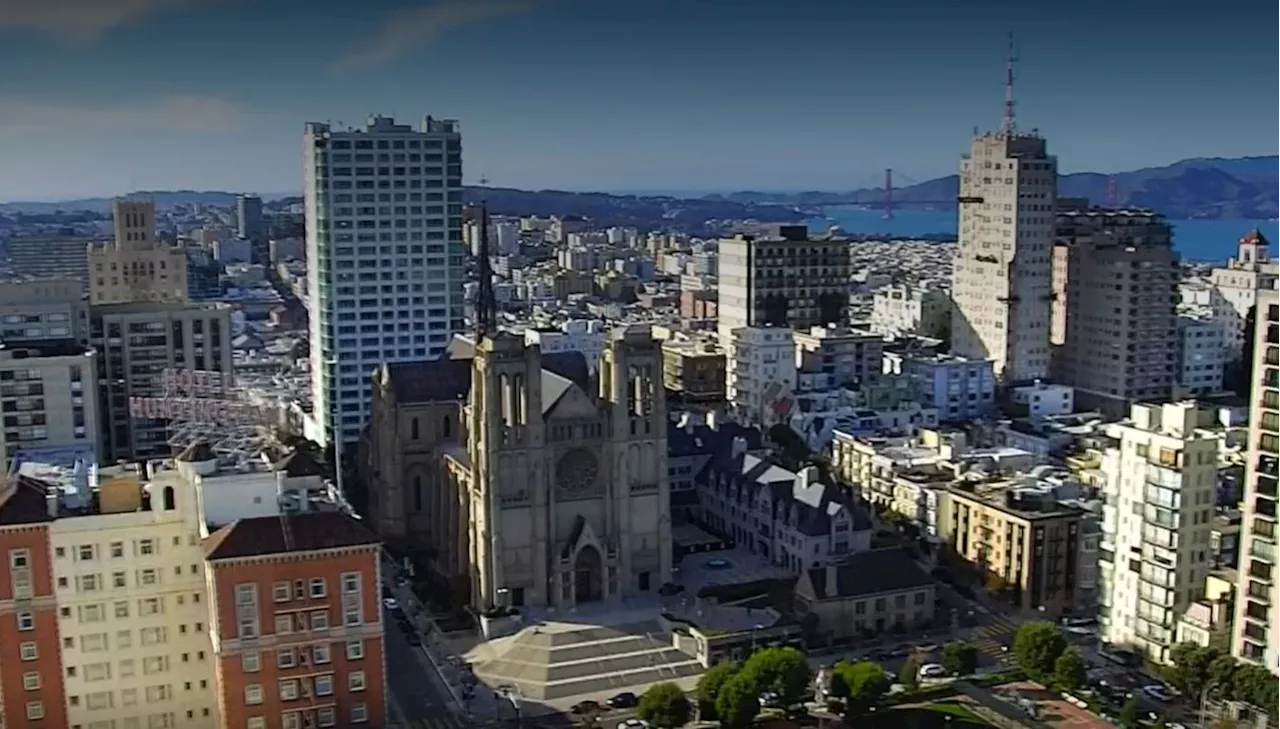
pixel 107 96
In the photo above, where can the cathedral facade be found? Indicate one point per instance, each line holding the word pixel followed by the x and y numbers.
pixel 551 490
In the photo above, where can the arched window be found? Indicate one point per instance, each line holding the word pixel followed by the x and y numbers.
pixel 413 429
pixel 446 427
pixel 417 491
pixel 169 499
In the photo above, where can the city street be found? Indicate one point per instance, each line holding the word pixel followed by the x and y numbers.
pixel 417 697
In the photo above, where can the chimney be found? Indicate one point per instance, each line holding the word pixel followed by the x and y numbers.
pixel 739 447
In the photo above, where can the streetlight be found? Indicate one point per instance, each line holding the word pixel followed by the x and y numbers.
pixel 512 693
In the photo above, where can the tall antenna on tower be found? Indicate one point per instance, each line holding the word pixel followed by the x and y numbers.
pixel 486 304
pixel 1010 123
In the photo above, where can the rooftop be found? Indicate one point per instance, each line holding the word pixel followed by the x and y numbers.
pixel 308 532
pixel 1014 497
pixel 43 348
pixel 869 573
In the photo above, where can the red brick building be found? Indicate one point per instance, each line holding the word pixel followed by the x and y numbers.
pixel 297 622
pixel 31 688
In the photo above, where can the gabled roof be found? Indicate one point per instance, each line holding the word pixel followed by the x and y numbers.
pixel 870 573
pixel 307 532
pixel 299 464
pixel 23 501
pixel 448 379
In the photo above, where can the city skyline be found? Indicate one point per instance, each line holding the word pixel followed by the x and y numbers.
pixel 561 94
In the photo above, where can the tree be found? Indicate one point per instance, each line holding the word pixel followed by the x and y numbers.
pixel 959 658
pixel 708 688
pixel 1128 718
pixel 1222 673
pixel 1069 669
pixel 782 671
pixel 909 674
pixel 1189 672
pixel 860 684
pixel 1257 686
pixel 1036 647
pixel 737 704
pixel 665 706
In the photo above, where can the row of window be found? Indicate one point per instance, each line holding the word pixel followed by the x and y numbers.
pixel 324 716
pixel 292 689
pixel 97 612
pixel 319 654
pixel 90 552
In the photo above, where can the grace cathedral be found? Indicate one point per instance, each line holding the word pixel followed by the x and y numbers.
pixel 543 481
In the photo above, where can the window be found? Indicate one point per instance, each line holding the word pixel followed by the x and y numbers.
pixel 359 713
pixel 150 606
pixel 124 639
pixel 122 609
pixel 27 651
pixel 154 635
pixel 97 671
pixel 117 579
pixel 355 650
pixel 155 664
pixel 319 620
pixel 280 592
pixel 288 689
pixel 284 623
pixel 355 681
pixel 31 681
pixel 129 697
pixel 350 583
pixel 88 583
pixel 35 710
pixel 320 654
pixel 148 577
pixel 98 700
pixel 290 720
pixel 285 658
pixel 85 552
pixel 324 685
pixel 146 547
pixel 158 693
pixel 93 613
pixel 26 621
pixel 93 643
pixel 317 587
pixel 256 722
pixel 326 716
pixel 250 663
pixel 19 558
pixel 253 694
pixel 126 668
pixel 117 550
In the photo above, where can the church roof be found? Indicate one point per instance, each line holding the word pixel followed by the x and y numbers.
pixel 1255 237
pixel 448 379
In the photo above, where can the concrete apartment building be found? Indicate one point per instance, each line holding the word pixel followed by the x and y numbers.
pixel 854 357
pixel 48 396
pixel 760 374
pixel 51 257
pixel 136 343
pixel 1021 539
pixel 1202 353
pixel 1158 495
pixel 1001 278
pixel 693 370
pixel 385 256
pixel 1236 286
pixel 788 279
pixel 136 266
pixel 43 309
pixel 1257 620
pixel 902 309
pixel 1115 286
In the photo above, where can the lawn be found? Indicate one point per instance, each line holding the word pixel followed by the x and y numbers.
pixel 938 715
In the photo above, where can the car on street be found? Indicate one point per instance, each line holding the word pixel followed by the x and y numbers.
pixel 587 707
pixel 1158 692
pixel 413 639
pixel 927 648
pixel 390 603
pixel 633 724
pixel 932 670
pixel 624 700
pixel 769 699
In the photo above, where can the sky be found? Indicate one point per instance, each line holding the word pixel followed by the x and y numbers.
pixel 104 97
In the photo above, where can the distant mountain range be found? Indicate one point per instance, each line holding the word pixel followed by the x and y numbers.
pixel 1242 187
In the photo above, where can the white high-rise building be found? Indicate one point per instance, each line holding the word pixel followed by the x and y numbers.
pixel 1004 261
pixel 385 255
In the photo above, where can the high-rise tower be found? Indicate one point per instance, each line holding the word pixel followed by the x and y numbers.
pixel 384 252
pixel 1004 262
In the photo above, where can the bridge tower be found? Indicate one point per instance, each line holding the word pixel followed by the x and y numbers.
pixel 888 194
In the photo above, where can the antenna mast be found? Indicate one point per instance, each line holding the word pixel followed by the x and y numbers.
pixel 486 305
pixel 1010 124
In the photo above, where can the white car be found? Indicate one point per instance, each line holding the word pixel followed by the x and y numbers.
pixel 390 603
pixel 1158 692
pixel 633 724
pixel 932 670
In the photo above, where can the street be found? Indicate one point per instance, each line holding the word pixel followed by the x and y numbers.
pixel 416 694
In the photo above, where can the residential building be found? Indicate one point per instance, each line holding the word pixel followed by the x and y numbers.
pixel 866 595
pixel 1236 287
pixel 136 343
pixel 385 256
pixel 136 266
pixel 900 310
pixel 588 336
pixel 853 357
pixel 49 396
pixel 760 374
pixel 1044 400
pixel 1202 353
pixel 692 442
pixel 51 257
pixel 1157 511
pixel 693 370
pixel 1257 623
pixel 1115 286
pixel 42 309
pixel 251 226
pixel 1001 277
pixel 1021 540
pixel 296 622
pixel 788 279
pixel 960 388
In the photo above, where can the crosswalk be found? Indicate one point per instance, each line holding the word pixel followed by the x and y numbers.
pixel 991 638
pixel 446 720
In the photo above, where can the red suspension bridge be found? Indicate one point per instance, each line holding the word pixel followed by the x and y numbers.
pixel 884 193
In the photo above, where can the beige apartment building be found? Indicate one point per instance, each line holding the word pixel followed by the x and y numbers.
pixel 1021 539
pixel 43 309
pixel 136 266
pixel 136 343
pixel 48 394
pixel 1115 323
pixel 1236 287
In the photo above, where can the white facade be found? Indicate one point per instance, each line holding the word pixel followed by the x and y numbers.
pixel 960 389
pixel 384 252
pixel 1236 287
pixel 1002 275
pixel 587 336
pixel 902 310
pixel 1046 400
pixel 1158 496
pixel 760 372
pixel 1202 353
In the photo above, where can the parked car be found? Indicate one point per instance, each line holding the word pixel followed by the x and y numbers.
pixel 633 724
pixel 587 707
pixel 624 700
pixel 770 699
pixel 932 670
pixel 390 603
pixel 1158 692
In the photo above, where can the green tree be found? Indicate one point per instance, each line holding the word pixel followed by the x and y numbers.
pixel 860 684
pixel 1128 718
pixel 709 685
pixel 782 671
pixel 737 705
pixel 1036 647
pixel 1189 672
pixel 1257 686
pixel 1069 670
pixel 665 706
pixel 959 658
pixel 909 674
pixel 1222 672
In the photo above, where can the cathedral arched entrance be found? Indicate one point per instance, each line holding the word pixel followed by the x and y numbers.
pixel 588 576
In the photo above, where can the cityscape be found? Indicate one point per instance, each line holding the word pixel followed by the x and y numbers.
pixel 403 447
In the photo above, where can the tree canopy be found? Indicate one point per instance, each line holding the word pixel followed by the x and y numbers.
pixel 1070 670
pixel 782 671
pixel 664 706
pixel 909 674
pixel 959 658
pixel 709 685
pixel 1036 648
pixel 860 684
pixel 737 704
